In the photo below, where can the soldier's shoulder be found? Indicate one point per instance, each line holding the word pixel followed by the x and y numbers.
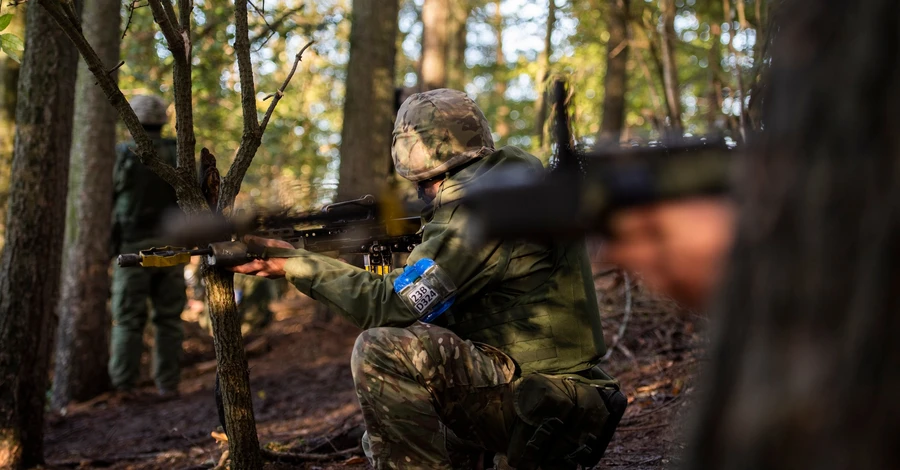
pixel 511 155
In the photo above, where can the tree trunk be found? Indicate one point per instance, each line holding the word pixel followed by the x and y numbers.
pixel 83 339
pixel 543 82
pixel 369 103
pixel 502 128
pixel 615 82
pixel 738 72
pixel 29 267
pixel 670 67
pixel 435 38
pixel 804 365
pixel 456 48
pixel 715 118
pixel 232 369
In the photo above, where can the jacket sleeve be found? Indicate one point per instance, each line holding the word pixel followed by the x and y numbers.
pixel 369 300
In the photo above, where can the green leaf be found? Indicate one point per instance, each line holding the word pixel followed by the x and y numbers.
pixel 5 20
pixel 12 46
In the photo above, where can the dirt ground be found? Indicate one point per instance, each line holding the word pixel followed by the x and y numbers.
pixel 304 401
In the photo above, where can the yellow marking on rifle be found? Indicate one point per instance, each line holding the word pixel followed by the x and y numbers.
pixel 157 261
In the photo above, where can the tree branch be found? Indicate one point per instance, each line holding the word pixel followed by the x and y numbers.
pixel 272 28
pixel 183 89
pixel 145 149
pixel 167 24
pixel 185 7
pixel 245 70
pixel 188 193
pixel 179 42
pixel 280 93
pixel 251 137
pixel 301 457
pixel 134 6
pixel 232 182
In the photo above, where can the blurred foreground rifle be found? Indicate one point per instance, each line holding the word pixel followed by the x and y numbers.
pixel 582 191
pixel 359 226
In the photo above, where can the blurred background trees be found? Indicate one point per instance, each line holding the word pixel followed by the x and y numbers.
pixel 675 64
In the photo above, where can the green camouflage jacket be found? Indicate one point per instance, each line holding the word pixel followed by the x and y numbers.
pixel 140 197
pixel 536 302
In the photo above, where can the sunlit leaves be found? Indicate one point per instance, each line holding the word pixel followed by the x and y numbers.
pixel 10 44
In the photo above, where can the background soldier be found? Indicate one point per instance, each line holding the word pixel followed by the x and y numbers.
pixel 140 199
pixel 511 367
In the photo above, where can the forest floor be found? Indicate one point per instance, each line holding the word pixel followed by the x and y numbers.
pixel 304 400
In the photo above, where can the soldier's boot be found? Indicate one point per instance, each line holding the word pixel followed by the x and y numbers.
pixel 169 299
pixel 130 290
pixel 410 380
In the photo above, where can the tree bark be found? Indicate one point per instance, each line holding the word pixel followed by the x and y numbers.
pixel 615 82
pixel 435 38
pixel 82 348
pixel 543 82
pixel 231 366
pixel 502 128
pixel 670 66
pixel 803 370
pixel 456 47
pixel 369 103
pixel 30 265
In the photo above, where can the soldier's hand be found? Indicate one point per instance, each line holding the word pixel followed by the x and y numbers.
pixel 678 247
pixel 270 268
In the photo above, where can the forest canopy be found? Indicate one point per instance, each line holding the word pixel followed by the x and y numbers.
pixel 505 53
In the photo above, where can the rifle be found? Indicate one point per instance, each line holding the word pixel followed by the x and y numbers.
pixel 349 227
pixel 584 189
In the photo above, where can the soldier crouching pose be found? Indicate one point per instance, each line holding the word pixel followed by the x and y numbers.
pixel 471 348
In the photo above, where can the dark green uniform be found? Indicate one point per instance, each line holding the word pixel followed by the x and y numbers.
pixel 141 198
pixel 520 307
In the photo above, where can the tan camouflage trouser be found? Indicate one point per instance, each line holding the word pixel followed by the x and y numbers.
pixel 413 382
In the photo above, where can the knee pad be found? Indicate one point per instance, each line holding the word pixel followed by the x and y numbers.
pixel 563 421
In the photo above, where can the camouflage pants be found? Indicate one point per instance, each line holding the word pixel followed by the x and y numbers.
pixel 415 384
pixel 131 288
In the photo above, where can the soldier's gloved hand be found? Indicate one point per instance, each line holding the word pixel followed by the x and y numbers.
pixel 272 267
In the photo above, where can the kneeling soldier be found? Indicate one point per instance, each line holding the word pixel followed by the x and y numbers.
pixel 469 348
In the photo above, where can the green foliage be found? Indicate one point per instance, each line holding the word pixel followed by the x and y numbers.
pixel 298 161
pixel 10 43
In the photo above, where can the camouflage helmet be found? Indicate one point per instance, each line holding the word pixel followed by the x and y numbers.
pixel 150 110
pixel 437 131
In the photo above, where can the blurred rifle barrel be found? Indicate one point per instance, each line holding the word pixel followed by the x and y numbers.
pixel 579 195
